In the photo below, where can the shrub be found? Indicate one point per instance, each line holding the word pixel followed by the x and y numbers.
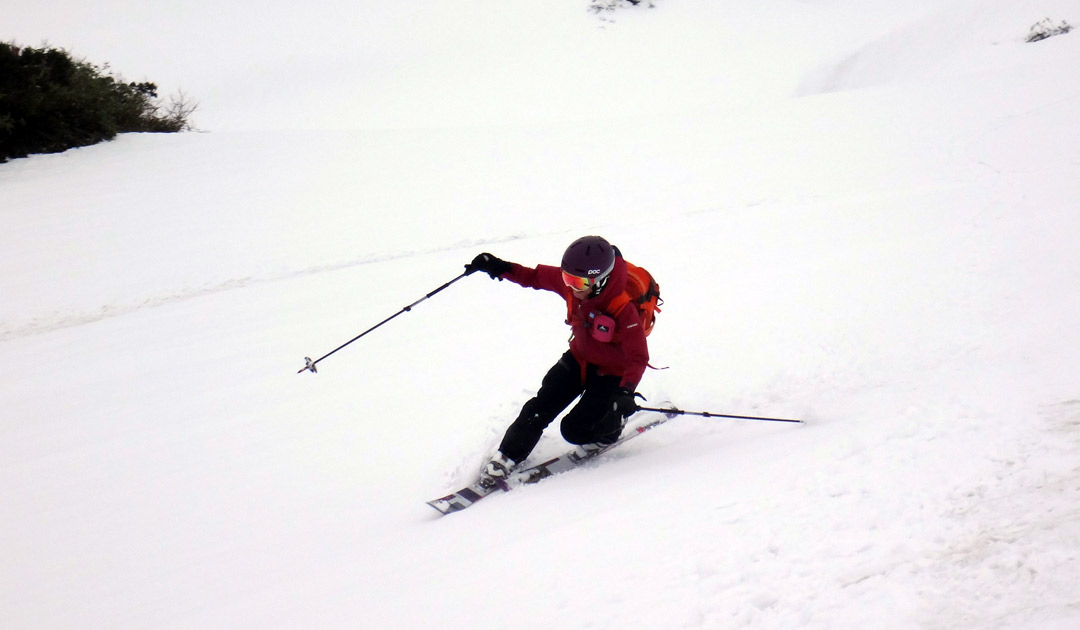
pixel 599 6
pixel 50 102
pixel 1044 29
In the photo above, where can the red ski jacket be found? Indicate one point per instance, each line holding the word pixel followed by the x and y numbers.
pixel 626 354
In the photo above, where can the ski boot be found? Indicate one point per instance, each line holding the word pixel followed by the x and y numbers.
pixel 498 469
pixel 591 449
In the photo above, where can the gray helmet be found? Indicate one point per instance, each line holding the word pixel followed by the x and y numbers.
pixel 587 263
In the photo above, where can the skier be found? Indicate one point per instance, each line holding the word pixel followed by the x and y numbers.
pixel 607 357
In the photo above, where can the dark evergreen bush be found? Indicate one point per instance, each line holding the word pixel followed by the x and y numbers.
pixel 50 102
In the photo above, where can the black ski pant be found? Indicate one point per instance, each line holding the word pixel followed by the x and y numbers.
pixel 591 419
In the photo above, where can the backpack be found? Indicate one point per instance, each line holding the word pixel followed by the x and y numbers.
pixel 643 292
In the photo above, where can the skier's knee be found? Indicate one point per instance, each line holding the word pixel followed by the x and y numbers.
pixel 574 433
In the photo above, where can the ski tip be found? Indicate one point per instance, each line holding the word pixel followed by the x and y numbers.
pixel 461 499
pixel 444 506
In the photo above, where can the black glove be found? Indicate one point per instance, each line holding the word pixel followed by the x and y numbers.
pixel 624 402
pixel 489 264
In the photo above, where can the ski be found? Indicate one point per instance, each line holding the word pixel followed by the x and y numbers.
pixel 470 494
pixel 457 501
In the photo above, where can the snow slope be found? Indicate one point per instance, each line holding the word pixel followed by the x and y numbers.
pixel 860 214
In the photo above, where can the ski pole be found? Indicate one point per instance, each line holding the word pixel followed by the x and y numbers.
pixel 310 365
pixel 672 411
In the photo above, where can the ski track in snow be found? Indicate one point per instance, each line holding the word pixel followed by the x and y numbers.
pixel 57 321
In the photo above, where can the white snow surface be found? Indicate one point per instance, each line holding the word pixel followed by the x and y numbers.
pixel 861 213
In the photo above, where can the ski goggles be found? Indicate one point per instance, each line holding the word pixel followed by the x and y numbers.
pixel 577 283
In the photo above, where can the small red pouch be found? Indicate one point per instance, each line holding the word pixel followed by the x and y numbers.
pixel 603 328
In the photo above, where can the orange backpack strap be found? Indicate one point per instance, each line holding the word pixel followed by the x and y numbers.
pixel 618 303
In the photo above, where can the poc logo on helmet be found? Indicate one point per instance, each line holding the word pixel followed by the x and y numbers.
pixel 595 272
